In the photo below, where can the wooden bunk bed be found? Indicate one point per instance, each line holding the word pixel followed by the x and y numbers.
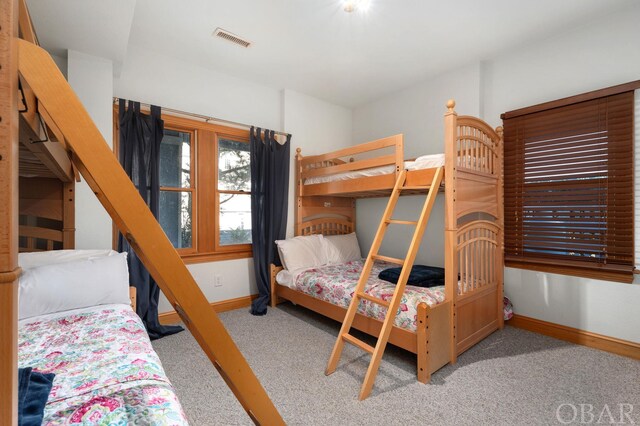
pixel 47 140
pixel 473 189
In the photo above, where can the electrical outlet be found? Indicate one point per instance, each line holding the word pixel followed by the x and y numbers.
pixel 217 281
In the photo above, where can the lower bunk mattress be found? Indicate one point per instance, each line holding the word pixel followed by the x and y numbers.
pixel 106 369
pixel 336 283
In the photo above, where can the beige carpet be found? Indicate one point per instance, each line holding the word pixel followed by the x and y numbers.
pixel 511 378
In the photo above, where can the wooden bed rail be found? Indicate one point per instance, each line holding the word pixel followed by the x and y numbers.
pixel 113 188
pixel 392 141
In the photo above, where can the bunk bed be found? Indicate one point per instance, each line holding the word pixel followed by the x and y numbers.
pixel 447 320
pixel 107 364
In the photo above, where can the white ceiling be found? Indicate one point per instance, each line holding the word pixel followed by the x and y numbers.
pixel 312 46
pixel 100 28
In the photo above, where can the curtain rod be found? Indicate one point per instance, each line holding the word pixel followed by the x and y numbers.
pixel 202 117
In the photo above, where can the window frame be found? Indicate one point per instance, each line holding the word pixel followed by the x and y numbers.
pixel 566 267
pixel 192 188
pixel 204 177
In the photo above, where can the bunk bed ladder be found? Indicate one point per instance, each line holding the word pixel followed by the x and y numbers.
pixel 113 188
pixel 392 305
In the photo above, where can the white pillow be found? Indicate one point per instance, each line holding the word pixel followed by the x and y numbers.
pixel 72 285
pixel 342 248
pixel 284 277
pixel 302 252
pixel 42 258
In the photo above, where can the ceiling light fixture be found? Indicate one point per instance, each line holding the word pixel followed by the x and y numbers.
pixel 354 5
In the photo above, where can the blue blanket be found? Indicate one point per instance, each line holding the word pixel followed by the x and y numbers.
pixel 33 392
pixel 420 276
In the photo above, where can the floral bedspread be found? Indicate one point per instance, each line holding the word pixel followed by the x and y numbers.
pixel 336 283
pixel 106 370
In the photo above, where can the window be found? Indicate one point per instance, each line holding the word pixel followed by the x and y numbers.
pixel 234 192
pixel 569 186
pixel 176 188
pixel 205 189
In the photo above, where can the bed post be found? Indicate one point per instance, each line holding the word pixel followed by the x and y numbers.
pixel 450 220
pixel 500 218
pixel 273 271
pixel 9 270
pixel 68 215
pixel 298 213
pixel 423 332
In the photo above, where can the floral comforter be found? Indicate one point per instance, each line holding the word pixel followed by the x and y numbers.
pixel 106 370
pixel 336 283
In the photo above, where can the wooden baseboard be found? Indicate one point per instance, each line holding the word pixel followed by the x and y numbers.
pixel 580 337
pixel 172 317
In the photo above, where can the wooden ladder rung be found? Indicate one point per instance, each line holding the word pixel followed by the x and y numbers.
pixel 373 299
pixel 388 259
pixel 357 342
pixel 415 187
pixel 402 222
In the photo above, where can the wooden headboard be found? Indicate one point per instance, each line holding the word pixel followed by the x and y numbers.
pixel 326 226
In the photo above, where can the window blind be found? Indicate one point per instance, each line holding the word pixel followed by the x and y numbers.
pixel 569 188
pixel 636 151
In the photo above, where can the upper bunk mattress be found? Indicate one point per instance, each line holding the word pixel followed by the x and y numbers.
pixel 423 162
pixel 336 283
pixel 106 370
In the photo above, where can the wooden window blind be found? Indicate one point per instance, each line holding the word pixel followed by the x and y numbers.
pixel 569 188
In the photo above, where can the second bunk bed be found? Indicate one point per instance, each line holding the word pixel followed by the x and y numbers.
pixel 439 323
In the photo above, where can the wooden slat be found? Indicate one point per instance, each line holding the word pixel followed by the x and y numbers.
pixel 40 233
pixel 373 299
pixel 391 141
pixel 402 222
pixel 364 184
pixel 389 259
pixel 131 215
pixel 357 343
pixel 347 167
pixel 415 188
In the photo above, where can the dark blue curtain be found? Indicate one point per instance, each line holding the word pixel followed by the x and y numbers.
pixel 269 199
pixel 139 155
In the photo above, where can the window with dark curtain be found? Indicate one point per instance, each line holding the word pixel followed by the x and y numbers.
pixel 569 187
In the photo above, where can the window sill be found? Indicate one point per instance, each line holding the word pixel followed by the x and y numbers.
pixel 215 257
pixel 593 273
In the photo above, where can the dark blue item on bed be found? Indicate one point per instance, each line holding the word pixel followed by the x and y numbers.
pixel 420 276
pixel 33 392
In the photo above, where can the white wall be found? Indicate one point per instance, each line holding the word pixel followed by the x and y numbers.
pixel 417 113
pixel 315 125
pixel 92 80
pixel 595 56
pixel 168 82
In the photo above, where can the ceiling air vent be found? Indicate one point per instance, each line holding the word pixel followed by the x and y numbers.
pixel 226 35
